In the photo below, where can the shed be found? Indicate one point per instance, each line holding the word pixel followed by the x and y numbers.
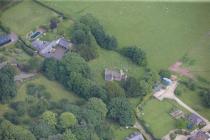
pixel 166 81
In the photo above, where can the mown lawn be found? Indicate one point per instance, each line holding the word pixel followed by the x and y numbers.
pixel 194 100
pixel 26 16
pixel 121 133
pixel 55 89
pixel 166 31
pixel 157 118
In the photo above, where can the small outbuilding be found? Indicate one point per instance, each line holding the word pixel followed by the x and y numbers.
pixel 117 75
pixel 166 81
pixel 177 114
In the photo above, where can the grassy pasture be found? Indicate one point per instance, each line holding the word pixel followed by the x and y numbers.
pixel 26 16
pixel 166 31
pixel 56 90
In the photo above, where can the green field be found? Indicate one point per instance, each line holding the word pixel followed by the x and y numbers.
pixel 166 31
pixel 26 16
pixel 157 117
pixel 56 90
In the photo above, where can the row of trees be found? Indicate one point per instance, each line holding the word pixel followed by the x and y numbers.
pixel 7 84
pixel 84 42
pixel 104 40
pixel 135 54
pixel 74 73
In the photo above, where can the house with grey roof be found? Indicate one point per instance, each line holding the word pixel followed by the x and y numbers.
pixel 4 39
pixel 135 136
pixel 117 75
pixel 199 135
pixel 55 48
pixel 196 120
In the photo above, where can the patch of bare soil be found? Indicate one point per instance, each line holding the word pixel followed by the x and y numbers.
pixel 178 68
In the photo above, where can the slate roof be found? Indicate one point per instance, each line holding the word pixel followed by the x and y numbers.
pixel 195 119
pixel 39 45
pixel 63 43
pixel 135 136
pixel 4 39
pixel 114 75
pixel 200 135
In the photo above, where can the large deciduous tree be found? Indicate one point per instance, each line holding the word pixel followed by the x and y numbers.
pixel 67 119
pixel 121 111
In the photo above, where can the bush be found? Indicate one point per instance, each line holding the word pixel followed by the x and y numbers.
pixel 20 107
pixel 137 55
pixel 165 73
pixel 37 91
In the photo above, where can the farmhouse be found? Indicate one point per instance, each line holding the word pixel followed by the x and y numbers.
pixel 55 48
pixel 4 39
pixel 111 75
pixel 196 120
pixel 135 136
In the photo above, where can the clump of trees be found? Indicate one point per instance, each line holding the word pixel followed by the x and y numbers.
pixel 121 111
pixel 9 131
pixel 206 98
pixel 83 40
pixel 114 90
pixel 165 73
pixel 104 40
pixel 7 84
pixel 135 54
pixel 74 73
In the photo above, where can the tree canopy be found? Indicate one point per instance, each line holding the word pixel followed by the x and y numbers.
pixel 120 110
pixel 136 55
pixel 7 84
pixel 67 119
pixel 8 131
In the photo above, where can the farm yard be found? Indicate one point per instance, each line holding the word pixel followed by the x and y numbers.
pixel 167 32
